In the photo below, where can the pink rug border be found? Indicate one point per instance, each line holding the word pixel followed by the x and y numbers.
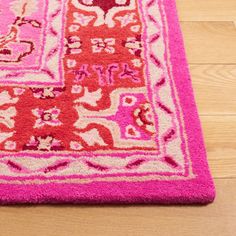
pixel 200 190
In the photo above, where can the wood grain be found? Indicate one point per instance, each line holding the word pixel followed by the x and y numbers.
pixel 220 139
pixel 215 88
pixel 207 10
pixel 217 219
pixel 210 42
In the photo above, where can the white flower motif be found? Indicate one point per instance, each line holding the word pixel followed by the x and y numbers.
pixel 10 145
pixel 5 98
pixel 135 28
pixel 43 143
pixel 82 19
pixel 5 135
pixel 75 145
pixel 18 91
pixel 74 28
pixel 46 117
pixel 6 117
pixel 137 62
pixel 134 45
pixel 126 19
pixel 76 89
pixel 71 63
pixel 100 45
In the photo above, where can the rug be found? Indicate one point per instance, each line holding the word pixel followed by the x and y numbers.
pixel 96 105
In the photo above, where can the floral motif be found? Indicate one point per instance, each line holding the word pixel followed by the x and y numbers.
pixel 126 19
pixel 136 62
pixel 143 117
pixel 10 145
pixel 74 145
pixel 71 63
pixel 76 89
pixel 5 135
pixel 44 143
pixel 73 45
pixel 82 19
pixel 6 117
pixel 135 28
pixel 46 117
pixel 105 10
pixel 18 91
pixel 100 45
pixel 74 28
pixel 134 45
pixel 46 93
pixel 5 98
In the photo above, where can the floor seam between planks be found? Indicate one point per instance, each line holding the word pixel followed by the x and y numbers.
pixel 210 21
pixel 215 64
pixel 224 178
pixel 217 114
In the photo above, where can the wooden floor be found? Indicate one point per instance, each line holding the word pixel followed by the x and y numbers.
pixel 209 28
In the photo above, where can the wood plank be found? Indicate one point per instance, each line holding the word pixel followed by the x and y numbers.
pixel 210 42
pixel 215 219
pixel 220 139
pixel 214 88
pixel 210 10
pixel 223 166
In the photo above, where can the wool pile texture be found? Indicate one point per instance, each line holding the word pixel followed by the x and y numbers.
pixel 96 105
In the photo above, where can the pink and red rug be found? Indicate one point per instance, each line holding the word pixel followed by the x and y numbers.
pixel 96 105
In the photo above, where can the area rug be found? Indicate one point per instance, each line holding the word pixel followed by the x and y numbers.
pixel 96 105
